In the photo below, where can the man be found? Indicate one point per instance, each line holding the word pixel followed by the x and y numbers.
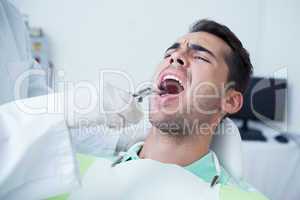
pixel 208 60
pixel 201 80
pixel 212 70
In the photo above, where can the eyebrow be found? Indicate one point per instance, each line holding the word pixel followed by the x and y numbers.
pixel 201 48
pixel 192 46
pixel 173 46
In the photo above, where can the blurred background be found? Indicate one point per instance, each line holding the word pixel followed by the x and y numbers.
pixel 81 37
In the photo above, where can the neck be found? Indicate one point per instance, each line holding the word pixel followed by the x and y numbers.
pixel 180 150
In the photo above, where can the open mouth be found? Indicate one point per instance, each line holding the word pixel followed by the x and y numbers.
pixel 170 85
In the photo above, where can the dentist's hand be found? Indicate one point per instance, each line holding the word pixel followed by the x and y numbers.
pixel 112 107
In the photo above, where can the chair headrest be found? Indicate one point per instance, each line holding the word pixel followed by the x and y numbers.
pixel 227 144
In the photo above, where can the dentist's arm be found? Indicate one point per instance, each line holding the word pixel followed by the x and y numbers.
pixel 36 153
pixel 106 136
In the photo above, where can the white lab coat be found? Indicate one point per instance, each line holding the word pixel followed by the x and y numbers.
pixel 15 56
pixel 36 150
pixel 23 150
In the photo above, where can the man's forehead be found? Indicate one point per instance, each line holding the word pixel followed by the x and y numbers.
pixel 207 40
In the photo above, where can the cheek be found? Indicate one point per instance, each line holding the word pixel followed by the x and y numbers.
pixel 205 98
pixel 207 76
pixel 203 74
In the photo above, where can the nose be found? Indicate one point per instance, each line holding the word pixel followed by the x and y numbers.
pixel 177 59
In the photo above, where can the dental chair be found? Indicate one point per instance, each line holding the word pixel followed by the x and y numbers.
pixel 227 144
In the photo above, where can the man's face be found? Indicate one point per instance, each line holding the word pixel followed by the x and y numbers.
pixel 191 78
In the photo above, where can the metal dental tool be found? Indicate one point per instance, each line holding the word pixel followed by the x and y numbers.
pixel 141 94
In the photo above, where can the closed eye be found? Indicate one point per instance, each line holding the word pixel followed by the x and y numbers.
pixel 167 56
pixel 201 58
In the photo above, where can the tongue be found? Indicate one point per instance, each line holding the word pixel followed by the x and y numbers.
pixel 171 86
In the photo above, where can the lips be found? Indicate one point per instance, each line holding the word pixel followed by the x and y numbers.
pixel 172 83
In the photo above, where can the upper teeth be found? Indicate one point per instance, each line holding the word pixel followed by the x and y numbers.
pixel 172 77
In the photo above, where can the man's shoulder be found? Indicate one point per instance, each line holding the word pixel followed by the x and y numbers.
pixel 228 192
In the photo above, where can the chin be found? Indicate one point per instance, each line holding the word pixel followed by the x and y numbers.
pixel 158 117
pixel 170 126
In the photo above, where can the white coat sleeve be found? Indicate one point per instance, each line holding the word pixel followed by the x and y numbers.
pixel 36 156
pixel 101 141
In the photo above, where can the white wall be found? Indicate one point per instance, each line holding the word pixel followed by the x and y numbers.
pixel 128 34
pixel 89 35
pixel 280 49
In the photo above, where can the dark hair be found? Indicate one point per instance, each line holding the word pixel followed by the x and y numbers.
pixel 238 61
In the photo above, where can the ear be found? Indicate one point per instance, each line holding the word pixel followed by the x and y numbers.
pixel 232 102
